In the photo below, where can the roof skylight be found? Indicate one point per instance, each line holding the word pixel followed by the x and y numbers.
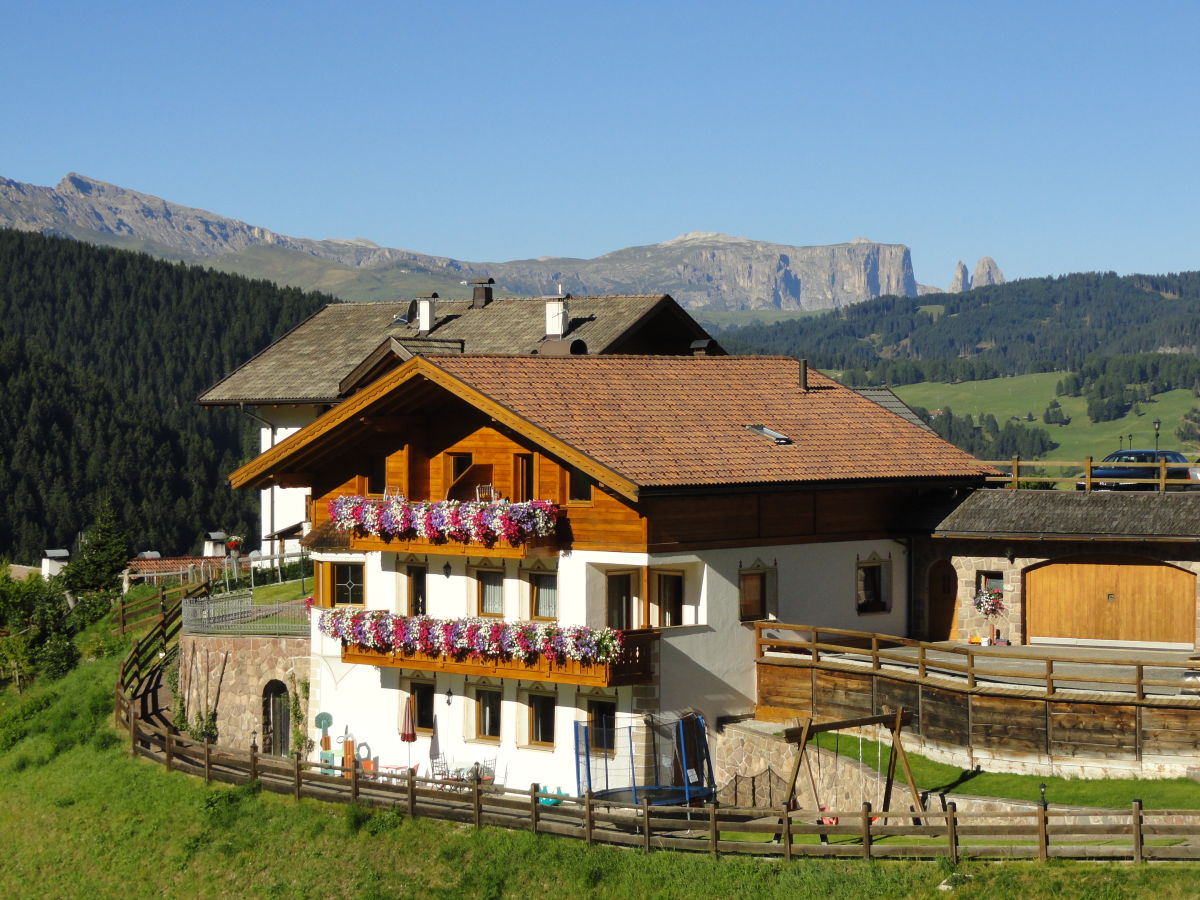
pixel 768 433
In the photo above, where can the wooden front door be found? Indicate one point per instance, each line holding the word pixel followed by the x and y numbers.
pixel 1102 600
pixel 943 602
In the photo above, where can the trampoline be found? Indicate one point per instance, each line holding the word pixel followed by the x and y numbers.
pixel 662 760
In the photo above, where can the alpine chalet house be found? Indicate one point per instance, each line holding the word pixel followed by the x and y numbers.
pixel 343 346
pixel 517 544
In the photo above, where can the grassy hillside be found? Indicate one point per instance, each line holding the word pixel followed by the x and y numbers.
pixel 310 273
pixel 1004 397
pixel 80 817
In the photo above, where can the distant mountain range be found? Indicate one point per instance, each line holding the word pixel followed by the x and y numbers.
pixel 702 270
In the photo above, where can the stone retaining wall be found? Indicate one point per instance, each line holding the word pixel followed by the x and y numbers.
pixel 751 764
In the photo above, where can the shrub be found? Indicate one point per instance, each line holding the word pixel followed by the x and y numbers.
pixel 57 656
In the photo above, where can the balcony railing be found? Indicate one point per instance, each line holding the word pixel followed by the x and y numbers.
pixel 633 666
pixel 1081 475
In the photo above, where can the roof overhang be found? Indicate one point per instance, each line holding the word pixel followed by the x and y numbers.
pixel 264 470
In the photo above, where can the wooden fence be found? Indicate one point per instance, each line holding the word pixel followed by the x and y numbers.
pixel 132 615
pixel 987 669
pixel 1133 833
pixel 1158 476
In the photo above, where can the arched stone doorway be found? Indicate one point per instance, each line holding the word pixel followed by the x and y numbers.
pixel 276 719
pixel 943 602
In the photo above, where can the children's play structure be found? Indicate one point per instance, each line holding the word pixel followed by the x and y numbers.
pixel 663 760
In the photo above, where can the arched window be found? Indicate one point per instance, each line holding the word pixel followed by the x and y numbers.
pixel 276 724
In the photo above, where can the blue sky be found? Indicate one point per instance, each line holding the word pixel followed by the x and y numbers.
pixel 1055 137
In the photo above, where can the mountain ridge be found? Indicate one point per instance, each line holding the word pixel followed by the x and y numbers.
pixel 702 270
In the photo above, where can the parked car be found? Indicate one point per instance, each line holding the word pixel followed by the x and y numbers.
pixel 1111 475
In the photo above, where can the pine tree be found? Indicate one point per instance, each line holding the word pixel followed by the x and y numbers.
pixel 103 553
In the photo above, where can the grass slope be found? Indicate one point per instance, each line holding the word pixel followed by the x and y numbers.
pixel 81 817
pixel 1004 397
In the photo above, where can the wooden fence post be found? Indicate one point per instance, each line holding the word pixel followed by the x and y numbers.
pixel 167 750
pixel 587 817
pixel 121 616
pixel 1087 474
pixel 785 833
pixel 1049 677
pixel 1016 472
pixel 533 806
pixel 1138 837
pixel 1043 817
pixel 412 793
pixel 253 764
pixel 354 780
pixel 952 830
pixel 132 727
pixel 207 762
pixel 645 824
pixel 713 833
pixel 296 773
pixel 970 668
pixel 866 830
pixel 477 801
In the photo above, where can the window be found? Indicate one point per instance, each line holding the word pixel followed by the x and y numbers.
pixel 544 591
pixel 487 714
pixel 669 589
pixel 872 591
pixel 416 591
pixel 620 600
pixel 752 596
pixel 989 581
pixel 348 584
pixel 522 477
pixel 579 486
pixel 423 696
pixel 602 725
pixel 541 719
pixel 490 587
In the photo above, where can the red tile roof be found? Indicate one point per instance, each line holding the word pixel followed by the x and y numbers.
pixel 673 421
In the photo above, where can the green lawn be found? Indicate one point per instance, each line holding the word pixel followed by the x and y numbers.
pixel 1004 397
pixel 282 593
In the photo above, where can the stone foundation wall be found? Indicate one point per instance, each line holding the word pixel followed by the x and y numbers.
pixel 249 663
pixel 751 764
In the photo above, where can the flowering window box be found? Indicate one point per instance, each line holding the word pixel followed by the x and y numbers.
pixel 541 651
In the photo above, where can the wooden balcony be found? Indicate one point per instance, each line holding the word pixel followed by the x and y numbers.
pixel 634 665
pixel 530 549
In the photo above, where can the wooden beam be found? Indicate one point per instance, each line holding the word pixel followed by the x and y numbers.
pixel 794 735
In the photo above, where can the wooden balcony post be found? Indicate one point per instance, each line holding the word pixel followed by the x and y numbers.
pixel 1087 474
pixel 1162 475
pixel 875 652
pixel 1049 677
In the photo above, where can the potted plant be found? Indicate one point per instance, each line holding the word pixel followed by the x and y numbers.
pixel 990 603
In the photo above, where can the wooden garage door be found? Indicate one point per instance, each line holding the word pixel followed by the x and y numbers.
pixel 1103 600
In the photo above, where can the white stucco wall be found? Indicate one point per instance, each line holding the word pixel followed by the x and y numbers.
pixel 281 507
pixel 708 666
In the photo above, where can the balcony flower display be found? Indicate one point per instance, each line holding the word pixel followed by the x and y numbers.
pixel 471 638
pixel 989 603
pixel 483 522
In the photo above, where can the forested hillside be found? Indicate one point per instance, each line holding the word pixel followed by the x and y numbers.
pixel 1035 325
pixel 102 354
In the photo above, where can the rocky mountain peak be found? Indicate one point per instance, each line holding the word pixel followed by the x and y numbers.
pixel 961 281
pixel 986 272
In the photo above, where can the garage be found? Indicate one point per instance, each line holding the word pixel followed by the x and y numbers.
pixel 1110 601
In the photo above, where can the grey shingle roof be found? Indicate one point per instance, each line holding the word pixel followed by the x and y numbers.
pixel 886 398
pixel 1063 515
pixel 307 364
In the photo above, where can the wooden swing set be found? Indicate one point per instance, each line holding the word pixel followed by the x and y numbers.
pixel 804 732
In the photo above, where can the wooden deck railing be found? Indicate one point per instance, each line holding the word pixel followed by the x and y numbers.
pixel 973 664
pixel 1159 475
pixel 1133 833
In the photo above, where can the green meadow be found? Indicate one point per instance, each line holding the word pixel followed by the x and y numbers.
pixel 80 817
pixel 1017 396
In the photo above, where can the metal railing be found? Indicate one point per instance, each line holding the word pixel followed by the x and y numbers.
pixel 237 613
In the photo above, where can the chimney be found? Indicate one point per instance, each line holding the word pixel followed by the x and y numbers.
pixel 425 314
pixel 481 292
pixel 804 375
pixel 557 318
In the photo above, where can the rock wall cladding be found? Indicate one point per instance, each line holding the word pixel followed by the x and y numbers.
pixel 229 673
